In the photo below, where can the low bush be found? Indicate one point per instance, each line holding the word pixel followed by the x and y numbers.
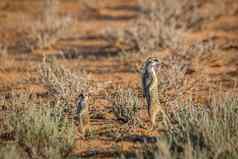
pixel 125 105
pixel 199 132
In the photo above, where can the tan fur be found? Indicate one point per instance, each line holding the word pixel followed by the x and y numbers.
pixel 84 120
pixel 154 108
pixel 82 112
pixel 150 88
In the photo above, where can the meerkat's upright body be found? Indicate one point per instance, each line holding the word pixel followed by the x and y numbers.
pixel 150 87
pixel 82 111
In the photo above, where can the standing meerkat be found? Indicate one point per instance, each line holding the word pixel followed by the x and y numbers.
pixel 150 87
pixel 82 111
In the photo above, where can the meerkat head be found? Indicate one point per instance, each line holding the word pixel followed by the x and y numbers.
pixel 152 65
pixel 81 96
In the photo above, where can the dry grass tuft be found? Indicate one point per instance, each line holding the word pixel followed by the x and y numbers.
pixel 51 27
pixel 11 151
pixel 41 129
pixel 199 132
pixel 125 105
pixel 42 32
pixel 161 25
pixel 37 129
pixel 60 81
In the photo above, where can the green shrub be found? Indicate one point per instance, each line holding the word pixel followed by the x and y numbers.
pixel 44 131
pixel 199 132
pixel 37 128
pixel 11 151
pixel 60 81
pixel 125 105
pixel 212 129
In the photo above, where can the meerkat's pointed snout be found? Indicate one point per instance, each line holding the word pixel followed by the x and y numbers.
pixel 150 87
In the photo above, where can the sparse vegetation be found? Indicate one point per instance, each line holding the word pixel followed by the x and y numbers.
pixel 161 25
pixel 52 27
pixel 125 105
pixel 199 132
pixel 61 82
pixel 205 132
pixel 46 28
pixel 11 151
pixel 39 130
pixel 43 130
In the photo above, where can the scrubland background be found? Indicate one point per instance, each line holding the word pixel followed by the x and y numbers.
pixel 53 50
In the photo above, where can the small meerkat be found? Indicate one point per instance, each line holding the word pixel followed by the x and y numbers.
pixel 150 87
pixel 82 111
